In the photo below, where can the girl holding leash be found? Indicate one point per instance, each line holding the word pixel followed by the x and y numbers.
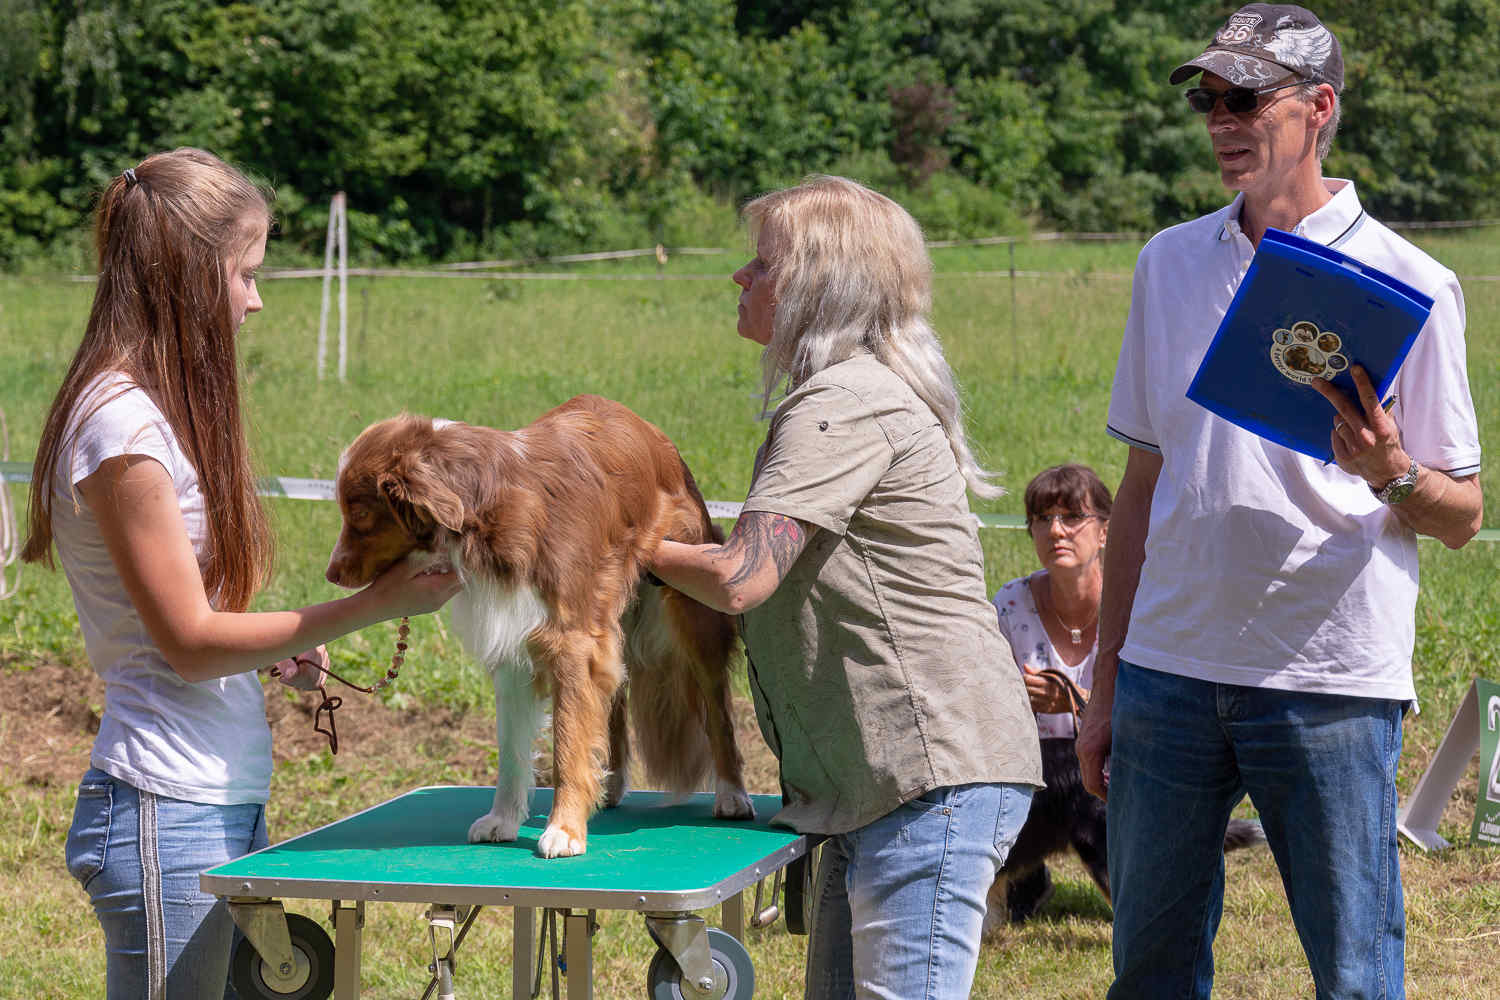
pixel 143 483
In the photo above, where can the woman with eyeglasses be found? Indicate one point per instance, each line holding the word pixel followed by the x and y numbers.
pixel 1050 618
pixel 880 679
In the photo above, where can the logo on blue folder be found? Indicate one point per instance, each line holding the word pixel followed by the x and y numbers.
pixel 1304 352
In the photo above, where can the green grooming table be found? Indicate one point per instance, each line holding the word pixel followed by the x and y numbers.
pixel 648 854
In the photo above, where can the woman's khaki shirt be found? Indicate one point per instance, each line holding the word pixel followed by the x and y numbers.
pixel 877 667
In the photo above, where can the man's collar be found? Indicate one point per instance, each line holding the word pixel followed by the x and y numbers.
pixel 1331 225
pixel 1229 228
pixel 1339 217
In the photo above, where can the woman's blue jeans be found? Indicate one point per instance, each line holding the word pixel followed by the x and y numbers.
pixel 138 856
pixel 1321 771
pixel 899 904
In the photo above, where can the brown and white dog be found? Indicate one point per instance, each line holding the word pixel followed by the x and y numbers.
pixel 549 527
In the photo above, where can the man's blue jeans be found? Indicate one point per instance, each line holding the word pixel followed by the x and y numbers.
pixel 1320 769
pixel 138 856
pixel 899 903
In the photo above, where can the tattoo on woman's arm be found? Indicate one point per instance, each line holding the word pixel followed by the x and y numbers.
pixel 758 537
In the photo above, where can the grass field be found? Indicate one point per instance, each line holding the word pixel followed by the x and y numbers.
pixel 1035 358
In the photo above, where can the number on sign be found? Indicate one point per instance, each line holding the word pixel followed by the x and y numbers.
pixel 1492 715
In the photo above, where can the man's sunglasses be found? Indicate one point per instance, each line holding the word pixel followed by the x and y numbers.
pixel 1238 100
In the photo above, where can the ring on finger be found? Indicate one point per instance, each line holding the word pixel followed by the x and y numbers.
pixel 1339 426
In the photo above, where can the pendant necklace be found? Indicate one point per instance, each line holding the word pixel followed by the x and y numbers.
pixel 1075 635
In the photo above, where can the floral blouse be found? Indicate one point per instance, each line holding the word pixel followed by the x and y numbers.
pixel 1021 624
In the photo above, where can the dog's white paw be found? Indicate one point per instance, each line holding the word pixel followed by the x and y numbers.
pixel 555 842
pixel 732 802
pixel 493 829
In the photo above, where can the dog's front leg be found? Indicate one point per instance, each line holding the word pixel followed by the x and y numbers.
pixel 517 713
pixel 585 679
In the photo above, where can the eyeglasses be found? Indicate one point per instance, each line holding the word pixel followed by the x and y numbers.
pixel 1070 522
pixel 1238 100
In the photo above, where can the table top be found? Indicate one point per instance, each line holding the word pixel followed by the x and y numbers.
pixel 648 853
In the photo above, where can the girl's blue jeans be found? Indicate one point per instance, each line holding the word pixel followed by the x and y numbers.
pixel 138 856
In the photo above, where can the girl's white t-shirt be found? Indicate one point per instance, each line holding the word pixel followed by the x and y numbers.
pixel 1021 624
pixel 203 742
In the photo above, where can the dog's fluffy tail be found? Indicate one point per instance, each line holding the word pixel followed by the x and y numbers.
pixel 679 665
pixel 1243 833
pixel 668 722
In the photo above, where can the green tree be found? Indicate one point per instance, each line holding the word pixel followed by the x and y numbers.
pixel 1421 119
pixel 535 126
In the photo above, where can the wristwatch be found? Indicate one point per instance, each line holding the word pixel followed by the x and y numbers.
pixel 1397 489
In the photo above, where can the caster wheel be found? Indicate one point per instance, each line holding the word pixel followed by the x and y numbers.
pixel 799 894
pixel 311 978
pixel 734 976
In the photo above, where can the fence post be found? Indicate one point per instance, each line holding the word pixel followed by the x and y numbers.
pixel 343 285
pixel 1015 347
pixel 338 234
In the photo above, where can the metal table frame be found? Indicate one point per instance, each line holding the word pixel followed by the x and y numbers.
pixel 719 859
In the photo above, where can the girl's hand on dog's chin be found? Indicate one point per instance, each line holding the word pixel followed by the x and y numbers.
pixel 405 589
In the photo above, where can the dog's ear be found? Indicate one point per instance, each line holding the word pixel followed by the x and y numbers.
pixel 419 500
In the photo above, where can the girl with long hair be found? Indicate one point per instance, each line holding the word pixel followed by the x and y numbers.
pixel 143 486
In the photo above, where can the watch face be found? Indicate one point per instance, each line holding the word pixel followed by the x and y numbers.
pixel 1399 492
pixel 1400 488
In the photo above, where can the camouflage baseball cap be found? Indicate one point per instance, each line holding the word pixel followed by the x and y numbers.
pixel 1262 42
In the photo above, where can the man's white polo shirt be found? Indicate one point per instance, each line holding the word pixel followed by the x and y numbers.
pixel 1265 567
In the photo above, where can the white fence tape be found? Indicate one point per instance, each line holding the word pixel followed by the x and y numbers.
pixel 293 488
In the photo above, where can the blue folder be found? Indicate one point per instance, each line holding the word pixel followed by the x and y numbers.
pixel 1304 311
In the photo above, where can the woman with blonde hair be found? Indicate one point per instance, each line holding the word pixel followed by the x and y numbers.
pixel 143 484
pixel 880 677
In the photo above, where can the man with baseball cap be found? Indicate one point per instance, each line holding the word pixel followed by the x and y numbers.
pixel 1259 606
